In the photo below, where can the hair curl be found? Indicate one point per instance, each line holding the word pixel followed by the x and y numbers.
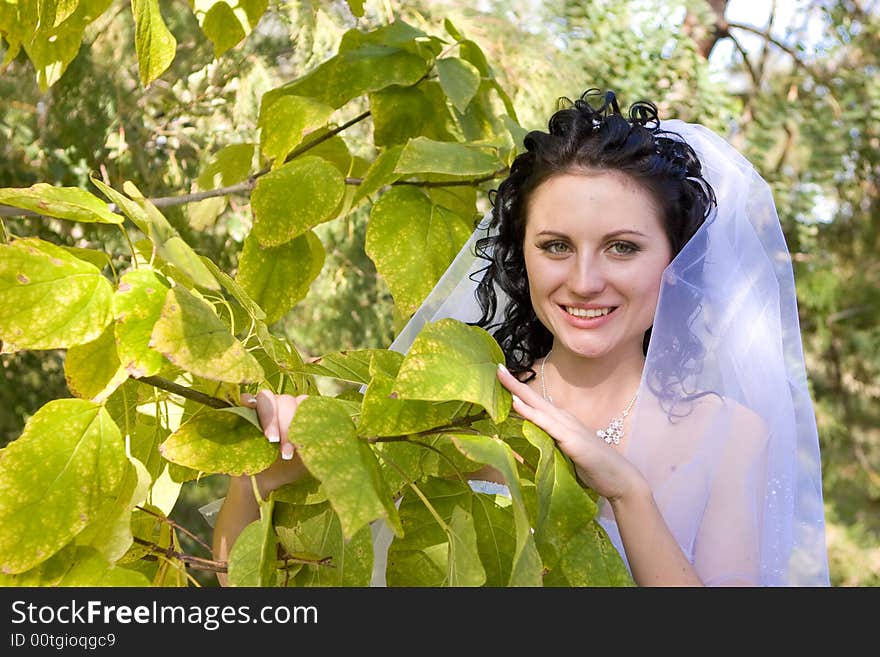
pixel 583 136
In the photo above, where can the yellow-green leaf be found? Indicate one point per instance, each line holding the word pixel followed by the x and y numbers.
pixel 436 550
pixel 285 121
pixel 222 27
pixel 412 241
pixel 346 466
pixel 402 113
pixel 294 198
pixel 527 565
pixel 194 338
pixel 60 202
pixel 354 72
pixel 423 155
pixel 50 299
pixel 460 80
pixel 314 529
pixel 165 239
pixel 92 370
pixel 451 360
pixel 91 569
pixel 155 45
pixel 137 306
pixel 215 441
pixel 277 277
pixel 59 476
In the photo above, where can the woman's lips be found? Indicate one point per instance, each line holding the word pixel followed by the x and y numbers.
pixel 587 322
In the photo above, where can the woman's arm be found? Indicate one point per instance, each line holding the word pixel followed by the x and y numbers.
pixel 654 556
pixel 240 508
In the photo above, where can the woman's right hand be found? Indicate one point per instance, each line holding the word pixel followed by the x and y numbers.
pixel 275 413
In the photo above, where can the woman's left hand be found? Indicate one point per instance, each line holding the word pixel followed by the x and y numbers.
pixel 598 466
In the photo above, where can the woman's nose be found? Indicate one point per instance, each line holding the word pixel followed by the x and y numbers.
pixel 587 278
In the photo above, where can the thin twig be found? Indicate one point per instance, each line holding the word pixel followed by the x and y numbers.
pixel 198 563
pixel 176 526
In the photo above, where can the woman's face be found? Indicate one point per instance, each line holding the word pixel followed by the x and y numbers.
pixel 595 250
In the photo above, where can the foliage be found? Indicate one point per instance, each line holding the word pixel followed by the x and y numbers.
pixel 121 108
pixel 159 346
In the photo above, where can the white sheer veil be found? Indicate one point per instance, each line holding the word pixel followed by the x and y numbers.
pixel 724 428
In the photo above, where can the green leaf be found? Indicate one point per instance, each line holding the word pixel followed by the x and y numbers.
pixel 356 6
pixel 47 573
pixel 50 42
pixel 59 476
pixel 346 466
pixel 527 565
pixel 166 240
pixel 423 155
pixel 436 550
pixel 51 299
pixel 91 569
pixel 194 338
pixel 402 113
pixel 565 509
pixel 460 80
pixel 496 537
pixel 221 442
pixel 98 258
pixel 248 565
pixel 60 202
pixel 230 165
pixel 294 198
pixel 381 173
pixel 155 45
pixel 222 27
pixel 92 370
pixel 313 531
pixel 278 277
pixel 355 72
pixel 351 366
pixel 285 121
pixel 137 306
pixel 111 534
pixel 464 567
pixel 590 559
pixel 451 30
pixel 412 241
pixel 451 360
pixel 384 414
pixel 237 291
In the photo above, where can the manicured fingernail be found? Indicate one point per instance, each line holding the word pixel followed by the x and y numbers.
pixel 501 367
pixel 248 399
pixel 287 451
pixel 516 399
pixel 272 435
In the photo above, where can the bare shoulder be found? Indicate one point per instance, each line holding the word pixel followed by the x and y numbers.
pixel 745 426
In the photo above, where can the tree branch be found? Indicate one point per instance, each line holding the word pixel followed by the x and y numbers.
pixel 183 391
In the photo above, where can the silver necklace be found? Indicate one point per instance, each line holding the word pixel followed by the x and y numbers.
pixel 612 433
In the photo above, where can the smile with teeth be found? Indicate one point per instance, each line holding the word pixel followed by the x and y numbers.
pixel 587 312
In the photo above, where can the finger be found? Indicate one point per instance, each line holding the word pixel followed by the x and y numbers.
pixel 249 400
pixel 518 388
pixel 267 415
pixel 285 409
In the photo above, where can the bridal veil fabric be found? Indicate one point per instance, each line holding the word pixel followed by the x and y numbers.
pixel 724 428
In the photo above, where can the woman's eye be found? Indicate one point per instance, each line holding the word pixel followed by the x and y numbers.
pixel 624 248
pixel 555 248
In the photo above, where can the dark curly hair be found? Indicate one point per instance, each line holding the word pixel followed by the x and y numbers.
pixel 585 134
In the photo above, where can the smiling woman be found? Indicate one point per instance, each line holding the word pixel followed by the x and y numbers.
pixel 641 268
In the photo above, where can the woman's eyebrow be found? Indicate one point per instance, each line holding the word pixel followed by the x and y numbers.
pixel 612 234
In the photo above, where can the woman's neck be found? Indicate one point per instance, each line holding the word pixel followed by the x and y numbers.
pixel 592 383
